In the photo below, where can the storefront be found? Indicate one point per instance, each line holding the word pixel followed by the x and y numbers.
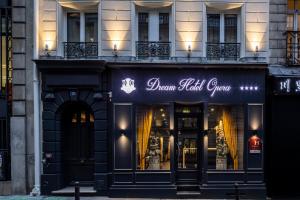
pixel 180 130
pixel 283 125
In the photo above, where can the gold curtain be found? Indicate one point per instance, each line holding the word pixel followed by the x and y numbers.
pixel 143 133
pixel 230 130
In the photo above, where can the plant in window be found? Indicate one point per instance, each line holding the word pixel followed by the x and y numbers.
pixel 221 146
pixel 154 152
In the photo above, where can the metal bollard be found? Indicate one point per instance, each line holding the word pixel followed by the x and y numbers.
pixel 77 191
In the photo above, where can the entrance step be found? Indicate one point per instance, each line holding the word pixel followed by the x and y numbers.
pixel 188 187
pixel 188 194
pixel 70 191
pixel 188 190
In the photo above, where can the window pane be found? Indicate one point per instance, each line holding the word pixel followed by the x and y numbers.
pixel 290 22
pixel 225 137
pixel 73 27
pixel 230 29
pixel 91 27
pixel 153 146
pixel 291 4
pixel 164 27
pixel 143 26
pixel 213 28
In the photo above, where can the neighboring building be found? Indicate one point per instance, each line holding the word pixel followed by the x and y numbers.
pixel 284 107
pixel 139 98
pixel 5 94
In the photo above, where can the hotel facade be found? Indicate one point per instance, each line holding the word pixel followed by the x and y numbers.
pixel 141 98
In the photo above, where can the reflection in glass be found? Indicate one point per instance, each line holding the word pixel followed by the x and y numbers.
pixel 153 132
pixel 73 30
pixel 187 155
pixel 91 27
pixel 143 26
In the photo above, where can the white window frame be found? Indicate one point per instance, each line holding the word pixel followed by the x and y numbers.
pixel 238 12
pixel 154 15
pixel 62 26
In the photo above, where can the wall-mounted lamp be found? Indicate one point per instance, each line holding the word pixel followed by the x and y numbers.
pixel 47 51
pixel 171 132
pixel 255 133
pixel 189 51
pixel 205 133
pixel 115 50
pixel 122 132
pixel 256 52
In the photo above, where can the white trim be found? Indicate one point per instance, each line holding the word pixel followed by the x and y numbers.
pixel 82 27
pixel 172 29
pixel 204 28
pixel 134 28
pixel 99 29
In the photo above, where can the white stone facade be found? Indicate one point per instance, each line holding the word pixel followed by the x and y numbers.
pixel 117 24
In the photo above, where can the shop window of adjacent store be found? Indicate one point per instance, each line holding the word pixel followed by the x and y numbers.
pixel 152 138
pixel 222 37
pixel 293 28
pixel 153 34
pixel 82 35
pixel 225 137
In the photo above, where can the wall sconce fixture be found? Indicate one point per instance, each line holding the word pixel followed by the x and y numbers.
pixel 115 51
pixel 122 132
pixel 205 133
pixel 189 51
pixel 256 53
pixel 171 132
pixel 47 51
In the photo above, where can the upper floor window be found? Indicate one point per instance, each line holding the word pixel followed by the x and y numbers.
pixel 82 35
pixel 222 37
pixel 82 27
pixel 293 18
pixel 153 34
pixel 153 26
pixel 293 28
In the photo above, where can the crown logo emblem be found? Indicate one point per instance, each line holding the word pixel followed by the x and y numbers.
pixel 128 85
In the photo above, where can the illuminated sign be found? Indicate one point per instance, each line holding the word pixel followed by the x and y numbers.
pixel 167 85
pixel 254 144
pixel 189 85
pixel 128 85
pixel 287 85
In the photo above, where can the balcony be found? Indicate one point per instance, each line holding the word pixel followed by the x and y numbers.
pixel 80 49
pixel 146 49
pixel 223 51
pixel 293 48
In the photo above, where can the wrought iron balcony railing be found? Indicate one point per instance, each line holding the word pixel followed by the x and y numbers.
pixel 80 49
pixel 146 49
pixel 223 51
pixel 293 48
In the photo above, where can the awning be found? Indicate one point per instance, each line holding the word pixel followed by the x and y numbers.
pixel 153 3
pixel 79 4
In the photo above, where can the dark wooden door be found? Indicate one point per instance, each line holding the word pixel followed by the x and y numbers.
pixel 78 145
pixel 189 140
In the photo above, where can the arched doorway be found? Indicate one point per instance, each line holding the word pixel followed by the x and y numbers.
pixel 77 144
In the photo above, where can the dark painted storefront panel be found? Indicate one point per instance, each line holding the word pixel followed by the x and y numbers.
pixel 283 146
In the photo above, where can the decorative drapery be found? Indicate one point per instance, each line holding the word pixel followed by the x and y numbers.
pixel 230 130
pixel 143 133
pixel 153 3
